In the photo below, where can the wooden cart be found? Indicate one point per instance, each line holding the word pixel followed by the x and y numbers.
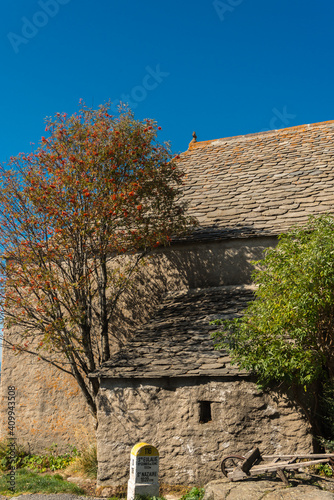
pixel 236 467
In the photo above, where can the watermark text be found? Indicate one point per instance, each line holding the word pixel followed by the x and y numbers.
pixel 228 6
pixel 151 80
pixel 30 27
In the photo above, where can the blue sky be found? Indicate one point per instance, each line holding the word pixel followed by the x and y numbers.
pixel 221 68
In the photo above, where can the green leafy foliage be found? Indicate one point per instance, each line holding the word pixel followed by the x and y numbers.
pixel 6 460
pixel 37 463
pixel 194 494
pixel 286 335
pixel 43 463
pixel 327 444
pixel 287 332
pixel 324 470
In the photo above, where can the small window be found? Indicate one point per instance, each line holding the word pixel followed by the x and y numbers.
pixel 204 412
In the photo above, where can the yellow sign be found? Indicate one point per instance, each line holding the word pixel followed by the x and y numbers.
pixel 144 450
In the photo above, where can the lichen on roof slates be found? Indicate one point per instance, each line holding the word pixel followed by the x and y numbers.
pixel 281 166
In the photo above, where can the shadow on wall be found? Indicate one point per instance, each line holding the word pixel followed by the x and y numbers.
pixel 185 265
pixel 139 302
pixel 220 263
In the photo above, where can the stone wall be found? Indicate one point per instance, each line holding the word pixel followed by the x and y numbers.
pixel 214 263
pixel 51 408
pixel 167 412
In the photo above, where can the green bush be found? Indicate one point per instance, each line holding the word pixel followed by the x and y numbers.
pixel 327 444
pixel 36 463
pixel 6 459
pixel 42 463
pixel 324 470
pixel 194 494
pixel 285 335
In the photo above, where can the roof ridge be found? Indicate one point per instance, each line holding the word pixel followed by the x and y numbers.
pixel 214 142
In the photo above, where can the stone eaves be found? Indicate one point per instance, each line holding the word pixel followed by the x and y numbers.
pixel 177 342
pixel 260 184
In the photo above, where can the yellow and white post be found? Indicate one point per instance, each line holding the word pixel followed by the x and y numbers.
pixel 144 471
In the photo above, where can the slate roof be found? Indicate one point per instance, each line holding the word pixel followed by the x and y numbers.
pixel 177 342
pixel 260 184
pixel 252 185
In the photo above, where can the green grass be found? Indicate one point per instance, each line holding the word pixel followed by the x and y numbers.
pixel 31 482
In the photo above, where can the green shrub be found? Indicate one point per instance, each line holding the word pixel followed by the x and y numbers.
pixel 84 462
pixel 194 494
pixel 327 444
pixel 42 463
pixel 6 459
pixel 36 463
pixel 324 470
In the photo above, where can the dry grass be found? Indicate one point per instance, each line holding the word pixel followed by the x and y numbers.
pixel 85 464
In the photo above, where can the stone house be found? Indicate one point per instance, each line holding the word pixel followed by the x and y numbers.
pixel 168 386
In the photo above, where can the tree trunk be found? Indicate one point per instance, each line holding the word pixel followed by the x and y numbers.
pixel 90 396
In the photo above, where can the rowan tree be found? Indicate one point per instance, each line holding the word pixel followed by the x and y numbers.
pixel 77 217
pixel 286 335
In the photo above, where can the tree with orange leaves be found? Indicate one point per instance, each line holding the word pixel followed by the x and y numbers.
pixel 98 187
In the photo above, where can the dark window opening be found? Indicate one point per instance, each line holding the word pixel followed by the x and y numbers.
pixel 204 412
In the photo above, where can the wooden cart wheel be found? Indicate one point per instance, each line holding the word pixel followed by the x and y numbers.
pixel 229 463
